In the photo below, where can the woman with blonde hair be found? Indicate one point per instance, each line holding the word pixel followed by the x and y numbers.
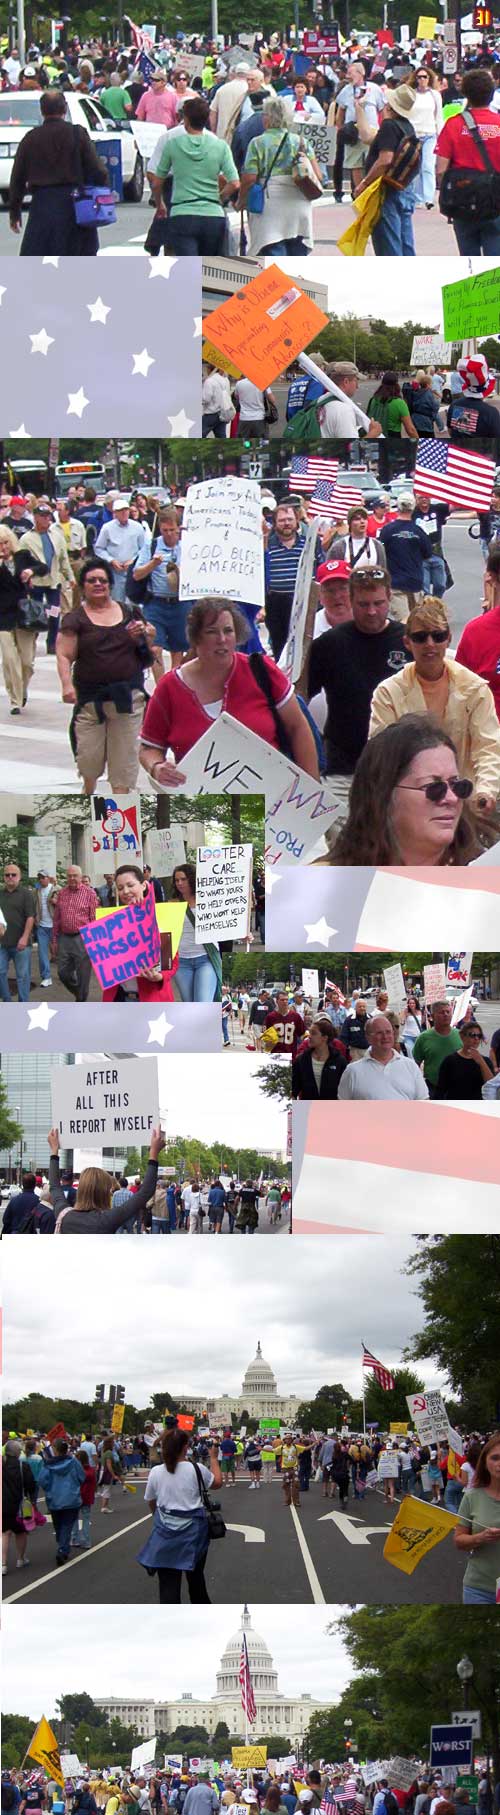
pixel 93 1213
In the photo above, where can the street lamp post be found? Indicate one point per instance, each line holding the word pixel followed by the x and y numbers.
pixel 465 1672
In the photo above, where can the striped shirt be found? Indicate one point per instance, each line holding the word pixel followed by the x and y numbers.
pixel 282 563
pixel 74 909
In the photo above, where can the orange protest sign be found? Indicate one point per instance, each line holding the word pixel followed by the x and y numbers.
pixel 184 1422
pixel 263 327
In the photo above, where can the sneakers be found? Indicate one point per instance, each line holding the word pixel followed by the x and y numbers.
pixel 46 983
pixel 252 1487
pixel 15 711
pixel 22 1563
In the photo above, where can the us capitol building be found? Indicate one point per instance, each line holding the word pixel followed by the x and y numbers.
pixel 259 1397
pixel 288 1716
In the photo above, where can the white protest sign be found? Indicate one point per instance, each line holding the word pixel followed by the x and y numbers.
pixel 42 854
pixel 115 831
pixel 147 135
pixel 165 848
pixel 372 1773
pixel 297 815
pixel 388 1466
pixel 459 968
pixel 173 1760
pixel 247 38
pixel 222 547
pixel 223 892
pixel 97 1104
pixel 430 350
pixel 461 1005
pixel 191 61
pixel 70 1764
pixel 401 1773
pixel 434 982
pixel 404 38
pixel 310 982
pixel 429 1415
pixel 292 655
pixel 395 986
pixel 229 759
pixel 143 1755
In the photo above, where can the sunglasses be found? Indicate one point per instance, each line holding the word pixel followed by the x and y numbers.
pixel 437 790
pixel 365 575
pixel 428 636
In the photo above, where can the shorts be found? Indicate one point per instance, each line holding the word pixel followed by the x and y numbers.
pixel 228 1465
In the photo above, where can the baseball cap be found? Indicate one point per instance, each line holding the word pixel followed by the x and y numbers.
pixel 18 500
pixel 121 503
pixel 333 570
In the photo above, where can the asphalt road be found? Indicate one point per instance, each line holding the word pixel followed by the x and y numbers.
pixel 127 234
pixel 316 1554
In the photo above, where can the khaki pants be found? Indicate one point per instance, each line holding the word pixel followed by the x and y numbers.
pixel 339 786
pixel 112 742
pixel 17 649
pixel 400 605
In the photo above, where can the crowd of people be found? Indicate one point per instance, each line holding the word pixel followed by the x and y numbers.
pixel 280 1790
pixel 97 1202
pixel 71 1472
pixel 247 142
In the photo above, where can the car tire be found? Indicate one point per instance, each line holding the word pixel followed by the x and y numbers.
pixel 134 190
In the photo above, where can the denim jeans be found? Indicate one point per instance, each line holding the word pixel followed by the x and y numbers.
pixel 435 576
pixel 196 236
pixel 425 182
pixel 196 980
pixel 472 236
pixel 43 936
pixel 393 235
pixel 212 424
pixel 22 965
pixel 478 1597
pixel 225 1032
pixel 453 1492
pixel 288 248
pixel 82 1539
pixel 63 1521
pixel 159 1226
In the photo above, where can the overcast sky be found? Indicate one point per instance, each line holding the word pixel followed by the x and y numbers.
pixel 376 293
pixel 187 1315
pixel 148 1657
pixel 218 1098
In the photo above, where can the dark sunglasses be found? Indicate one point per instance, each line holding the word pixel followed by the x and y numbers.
pixel 437 790
pixel 426 636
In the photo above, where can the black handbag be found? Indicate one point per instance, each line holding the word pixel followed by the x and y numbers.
pixel 471 194
pixel 271 410
pixel 216 1524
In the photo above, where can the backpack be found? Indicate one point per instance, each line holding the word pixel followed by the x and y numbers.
pixel 9 1798
pixel 137 591
pixel 304 427
pixel 28 1227
pixel 391 1803
pixel 471 193
pixel 405 165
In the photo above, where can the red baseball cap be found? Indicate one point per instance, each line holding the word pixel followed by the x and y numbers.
pixel 18 500
pixel 333 570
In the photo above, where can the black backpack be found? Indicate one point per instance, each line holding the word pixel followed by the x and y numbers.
pixel 391 1803
pixel 139 590
pixel 471 194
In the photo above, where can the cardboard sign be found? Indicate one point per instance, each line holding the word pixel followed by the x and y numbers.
pixel 460 1006
pixel 263 327
pixel 185 1421
pixel 42 855
pixel 117 1419
pixel 229 759
pixel 320 41
pixel 143 1755
pixel 416 1530
pixel 296 817
pixel 165 849
pixel 116 831
pixel 120 944
pixel 292 655
pixel 191 61
pixel 70 1764
pixel 426 26
pixel 95 1105
pixel 395 986
pixel 222 547
pixel 458 969
pixel 310 982
pixel 147 134
pixel 430 350
pixel 223 892
pixel 388 1466
pixel 398 1430
pixel 402 1773
pixel 428 1414
pixel 58 1430
pixel 434 982
pixel 472 306
pixel 242 1756
pixel 214 358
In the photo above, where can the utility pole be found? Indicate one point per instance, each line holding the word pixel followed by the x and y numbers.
pixel 21 34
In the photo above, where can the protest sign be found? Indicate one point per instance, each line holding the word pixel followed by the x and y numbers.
pixel 395 986
pixel 263 327
pixel 116 831
pixel 165 848
pixel 70 1764
pixel 450 1745
pixel 468 1717
pixel 466 1780
pixel 310 982
pixel 401 1773
pixel 192 61
pixel 229 759
pixel 58 1430
pixel 322 42
pixel 459 968
pixel 292 655
pixel 460 1006
pixel 117 1419
pixel 185 1421
pixel 388 1466
pixel 429 1415
pixel 122 943
pixel 172 1761
pixel 214 357
pixel 269 1424
pixel 105 1101
pixel 472 306
pixel 434 982
pixel 398 1430
pixel 143 1755
pixel 426 26
pixel 233 57
pixel 296 816
pixel 373 1773
pixel 42 854
pixel 147 134
pixel 222 548
pixel 430 350
pixel 247 38
pixel 248 1755
pixel 223 892
pixel 416 1530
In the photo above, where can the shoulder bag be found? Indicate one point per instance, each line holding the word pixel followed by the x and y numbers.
pixel 93 203
pixel 471 194
pixel 216 1524
pixel 256 197
pixel 304 177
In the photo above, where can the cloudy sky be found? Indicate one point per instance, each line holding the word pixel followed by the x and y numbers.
pixel 376 292
pixel 149 1658
pixel 187 1316
pixel 219 1099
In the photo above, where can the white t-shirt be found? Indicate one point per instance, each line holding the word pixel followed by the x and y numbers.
pixel 369 1081
pixel 250 400
pixel 179 1490
pixel 338 418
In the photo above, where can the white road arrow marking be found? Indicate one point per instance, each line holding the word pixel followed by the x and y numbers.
pixel 347 1524
pixel 253 1533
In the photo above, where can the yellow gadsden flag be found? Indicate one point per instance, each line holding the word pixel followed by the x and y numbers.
pixel 45 1750
pixel 417 1528
pixel 368 208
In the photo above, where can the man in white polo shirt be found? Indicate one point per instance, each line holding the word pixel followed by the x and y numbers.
pixel 382 1073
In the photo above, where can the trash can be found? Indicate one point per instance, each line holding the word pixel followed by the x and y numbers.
pixel 110 150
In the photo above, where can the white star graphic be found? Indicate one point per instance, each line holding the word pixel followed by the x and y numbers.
pixel 3 288
pixel 159 1029
pixel 41 1016
pixel 319 932
pixel 51 261
pixel 270 881
pixel 77 402
pixel 142 363
pixel 197 327
pixel 18 434
pixel 162 266
pixel 180 424
pixel 41 342
pixel 98 310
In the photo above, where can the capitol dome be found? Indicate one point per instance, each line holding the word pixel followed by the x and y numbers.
pixel 262 1671
pixel 259 1377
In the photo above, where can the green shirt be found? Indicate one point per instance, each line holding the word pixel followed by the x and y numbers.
pixel 479 1509
pixel 390 415
pixel 433 1048
pixel 196 161
pixel 116 101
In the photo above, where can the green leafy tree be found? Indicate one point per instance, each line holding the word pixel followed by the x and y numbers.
pixel 458 1283
pixel 10 1130
pixel 388 1408
pixel 78 1708
pixel 17 1732
pixel 275 1079
pixel 410 1655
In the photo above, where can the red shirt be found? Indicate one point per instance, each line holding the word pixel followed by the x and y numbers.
pixel 456 142
pixel 289 1028
pixel 175 717
pixel 479 649
pixel 375 524
pixel 74 908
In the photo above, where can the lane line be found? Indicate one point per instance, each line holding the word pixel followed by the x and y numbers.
pixel 74 1561
pixel 313 1578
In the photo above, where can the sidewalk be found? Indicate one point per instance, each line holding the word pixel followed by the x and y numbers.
pixel 433 236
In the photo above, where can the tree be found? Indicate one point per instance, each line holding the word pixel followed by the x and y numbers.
pixel 458 1283
pixel 418 1681
pixel 80 1707
pixel 275 1079
pixel 222 1730
pixel 17 1733
pixel 10 1131
pixel 388 1408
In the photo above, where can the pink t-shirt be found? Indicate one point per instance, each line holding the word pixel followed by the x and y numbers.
pixel 158 109
pixel 176 719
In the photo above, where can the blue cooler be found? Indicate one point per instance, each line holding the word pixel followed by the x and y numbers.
pixel 110 150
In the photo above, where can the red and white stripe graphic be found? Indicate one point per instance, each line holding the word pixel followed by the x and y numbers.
pixel 371 1168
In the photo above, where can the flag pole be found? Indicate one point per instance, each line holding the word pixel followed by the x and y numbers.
pixel 363 1394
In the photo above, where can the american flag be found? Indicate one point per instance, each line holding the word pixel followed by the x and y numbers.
pixel 370 1168
pixel 140 39
pixel 382 1374
pixel 454 473
pixel 247 1694
pixel 320 503
pixel 344 496
pixel 327 1803
pixel 308 468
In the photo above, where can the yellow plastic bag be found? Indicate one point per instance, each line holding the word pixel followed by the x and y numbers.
pixel 368 207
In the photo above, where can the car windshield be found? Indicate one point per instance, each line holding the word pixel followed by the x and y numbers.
pixel 20 110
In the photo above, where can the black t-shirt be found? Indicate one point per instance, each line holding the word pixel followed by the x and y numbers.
pixel 471 416
pixel 460 1080
pixel 391 134
pixel 432 522
pixel 349 665
pixel 495 1044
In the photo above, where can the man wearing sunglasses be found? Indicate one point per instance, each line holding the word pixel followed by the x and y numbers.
pixel 348 662
pixel 461 701
pixel 17 919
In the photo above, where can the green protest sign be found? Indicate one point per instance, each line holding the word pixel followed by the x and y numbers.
pixel 269 1424
pixel 472 306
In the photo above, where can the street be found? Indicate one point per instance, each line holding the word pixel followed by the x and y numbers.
pixel 365 390
pixel 127 234
pixel 319 1553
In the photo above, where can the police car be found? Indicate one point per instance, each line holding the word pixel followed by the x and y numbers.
pixel 19 112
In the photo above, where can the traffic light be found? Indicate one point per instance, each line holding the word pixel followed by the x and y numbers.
pixel 120 1395
pixel 99 1393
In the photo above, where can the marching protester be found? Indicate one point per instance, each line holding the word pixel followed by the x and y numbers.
pixel 93 1213
pixel 177 1495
